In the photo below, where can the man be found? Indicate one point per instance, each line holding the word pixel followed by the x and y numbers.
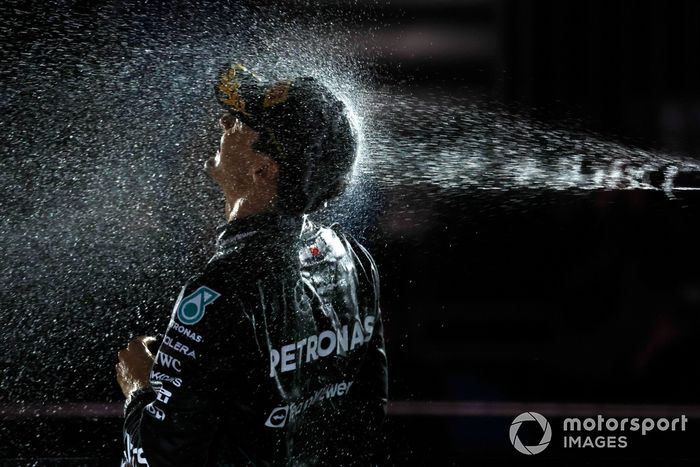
pixel 274 354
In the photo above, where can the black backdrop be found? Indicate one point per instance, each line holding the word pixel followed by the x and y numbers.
pixel 567 297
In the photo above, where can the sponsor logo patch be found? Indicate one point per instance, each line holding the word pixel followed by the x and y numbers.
pixel 178 347
pixel 327 343
pixel 280 415
pixel 169 361
pixel 186 332
pixel 156 412
pixel 133 456
pixel 191 308
pixel 159 377
pixel 164 395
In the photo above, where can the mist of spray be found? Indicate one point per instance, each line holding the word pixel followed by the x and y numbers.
pixel 107 117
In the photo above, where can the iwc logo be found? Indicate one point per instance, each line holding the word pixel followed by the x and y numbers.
pixel 191 308
pixel 546 433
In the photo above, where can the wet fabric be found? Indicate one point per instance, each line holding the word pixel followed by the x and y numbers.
pixel 274 355
pixel 302 125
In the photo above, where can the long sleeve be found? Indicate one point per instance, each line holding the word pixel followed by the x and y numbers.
pixel 173 422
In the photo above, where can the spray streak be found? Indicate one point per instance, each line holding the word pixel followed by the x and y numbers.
pixel 452 144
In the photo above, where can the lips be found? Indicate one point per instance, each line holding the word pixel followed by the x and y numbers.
pixel 210 164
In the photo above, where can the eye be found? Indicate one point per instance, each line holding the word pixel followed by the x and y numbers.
pixel 226 121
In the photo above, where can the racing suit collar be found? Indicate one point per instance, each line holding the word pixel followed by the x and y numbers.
pixel 269 221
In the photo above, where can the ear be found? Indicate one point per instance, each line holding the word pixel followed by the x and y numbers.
pixel 267 170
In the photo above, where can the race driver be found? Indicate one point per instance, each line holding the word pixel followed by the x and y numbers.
pixel 274 354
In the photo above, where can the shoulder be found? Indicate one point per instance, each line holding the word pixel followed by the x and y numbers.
pixel 211 307
pixel 353 242
pixel 213 285
pixel 212 275
pixel 340 241
pixel 260 256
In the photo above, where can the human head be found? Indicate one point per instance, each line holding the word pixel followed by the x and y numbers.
pixel 302 127
pixel 247 177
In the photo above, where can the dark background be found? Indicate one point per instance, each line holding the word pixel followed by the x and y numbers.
pixel 569 297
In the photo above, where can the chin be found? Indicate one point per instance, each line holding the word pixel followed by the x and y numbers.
pixel 209 165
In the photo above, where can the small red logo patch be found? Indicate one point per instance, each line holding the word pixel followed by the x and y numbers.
pixel 314 250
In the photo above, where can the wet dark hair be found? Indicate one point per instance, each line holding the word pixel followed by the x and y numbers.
pixel 303 126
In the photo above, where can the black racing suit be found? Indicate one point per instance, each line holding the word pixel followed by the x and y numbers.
pixel 274 355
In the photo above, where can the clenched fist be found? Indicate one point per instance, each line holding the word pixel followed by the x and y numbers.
pixel 134 367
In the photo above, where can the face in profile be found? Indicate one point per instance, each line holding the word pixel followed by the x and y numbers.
pixel 235 163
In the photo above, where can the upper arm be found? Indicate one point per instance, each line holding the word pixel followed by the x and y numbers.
pixel 176 425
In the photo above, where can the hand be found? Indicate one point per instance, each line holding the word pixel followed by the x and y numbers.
pixel 134 367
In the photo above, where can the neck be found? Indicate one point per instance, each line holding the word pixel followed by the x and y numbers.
pixel 244 206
